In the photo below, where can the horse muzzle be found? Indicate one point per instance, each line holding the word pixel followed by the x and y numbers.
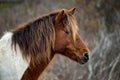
pixel 84 59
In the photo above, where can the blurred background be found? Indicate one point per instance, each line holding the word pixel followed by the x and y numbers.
pixel 99 26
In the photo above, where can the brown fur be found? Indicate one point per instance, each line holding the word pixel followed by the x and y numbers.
pixel 36 38
pixel 40 39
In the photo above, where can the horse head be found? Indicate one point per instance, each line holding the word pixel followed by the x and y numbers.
pixel 67 40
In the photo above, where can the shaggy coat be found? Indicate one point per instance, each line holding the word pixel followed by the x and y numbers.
pixel 28 49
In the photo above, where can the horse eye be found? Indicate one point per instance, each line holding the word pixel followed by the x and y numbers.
pixel 67 32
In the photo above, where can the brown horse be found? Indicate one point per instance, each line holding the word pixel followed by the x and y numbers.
pixel 42 38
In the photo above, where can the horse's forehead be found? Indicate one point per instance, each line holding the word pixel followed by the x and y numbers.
pixel 73 26
pixel 72 23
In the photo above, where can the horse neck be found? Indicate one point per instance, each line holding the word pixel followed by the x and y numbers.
pixel 33 73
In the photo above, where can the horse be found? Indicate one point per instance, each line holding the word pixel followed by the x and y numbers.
pixel 27 50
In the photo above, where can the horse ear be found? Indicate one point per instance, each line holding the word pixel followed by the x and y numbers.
pixel 71 11
pixel 60 16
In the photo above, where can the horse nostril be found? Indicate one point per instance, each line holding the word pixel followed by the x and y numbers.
pixel 86 56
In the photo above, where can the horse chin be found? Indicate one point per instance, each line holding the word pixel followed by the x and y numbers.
pixel 81 61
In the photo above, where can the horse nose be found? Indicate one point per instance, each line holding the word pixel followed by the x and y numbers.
pixel 86 56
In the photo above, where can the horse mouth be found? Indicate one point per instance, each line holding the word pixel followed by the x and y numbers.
pixel 82 60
